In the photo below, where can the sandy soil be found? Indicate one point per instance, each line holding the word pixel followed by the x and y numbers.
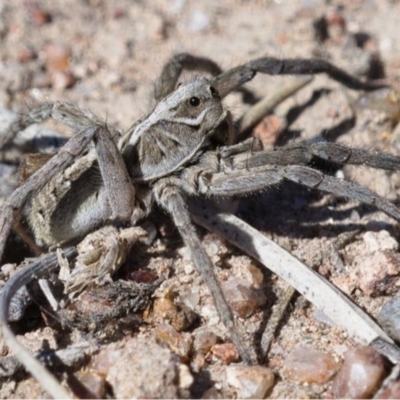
pixel 105 56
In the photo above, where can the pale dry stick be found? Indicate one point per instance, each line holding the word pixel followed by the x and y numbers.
pixel 316 289
pixel 259 110
pixel 274 321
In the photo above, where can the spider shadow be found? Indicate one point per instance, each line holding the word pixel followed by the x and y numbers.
pixel 290 213
pixel 329 135
pixel 287 135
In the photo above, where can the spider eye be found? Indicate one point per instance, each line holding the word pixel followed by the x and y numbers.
pixel 194 101
pixel 213 91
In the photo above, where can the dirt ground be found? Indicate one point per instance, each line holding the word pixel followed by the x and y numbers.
pixel 105 56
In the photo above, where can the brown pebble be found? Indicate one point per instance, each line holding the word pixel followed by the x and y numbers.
pixel 268 130
pixel 26 54
pixel 143 275
pixel 362 373
pixel 309 365
pixel 250 382
pixel 57 57
pixel 226 352
pixel 378 273
pixel 204 340
pixel 179 344
pixel 62 80
pixel 105 359
pixel 178 315
pixel 37 15
pixel 92 385
pixel 256 275
pixel 243 298
pixel 147 370
pixel 390 392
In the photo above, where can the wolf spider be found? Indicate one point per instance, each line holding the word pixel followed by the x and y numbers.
pixel 184 148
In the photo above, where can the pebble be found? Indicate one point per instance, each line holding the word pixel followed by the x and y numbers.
pixel 204 340
pixel 255 275
pixel 378 273
pixel 57 57
pixel 26 54
pixel 180 344
pixel 361 374
pixel 198 21
pixel 179 315
pixel 191 298
pixel 37 15
pixel 379 241
pixel 147 370
pixel 243 298
pixel 91 385
pixel 309 365
pixel 58 65
pixel 212 393
pixel 250 382
pixel 226 352
pixel 62 80
pixel 142 275
pixel 268 130
pixel 185 377
pixel 391 392
pixel 389 317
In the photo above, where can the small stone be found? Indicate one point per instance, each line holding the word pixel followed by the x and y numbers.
pixel 243 298
pixel 198 21
pixel 309 365
pixel 92 385
pixel 26 54
pixel 379 241
pixel 147 370
pixel 256 276
pixel 226 352
pixel 105 359
pixel 198 362
pixel 179 315
pixel 191 298
pixel 250 382
pixel 143 275
pixel 58 65
pixel 362 372
pixel 268 130
pixel 378 273
pixel 62 80
pixel 57 57
pixel 37 15
pixel 391 392
pixel 389 317
pixel 180 344
pixel 204 340
pixel 176 6
pixel 212 393
pixel 185 377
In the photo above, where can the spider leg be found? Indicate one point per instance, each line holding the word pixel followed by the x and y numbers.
pixel 66 113
pixel 303 153
pixel 40 267
pixel 260 178
pixel 235 77
pixel 173 68
pixel 119 190
pixel 72 149
pixel 172 200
